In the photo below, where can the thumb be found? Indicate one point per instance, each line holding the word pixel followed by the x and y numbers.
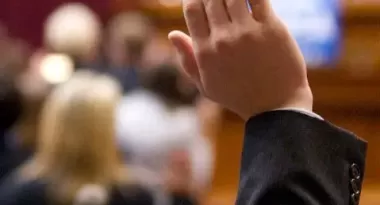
pixel 261 9
pixel 184 48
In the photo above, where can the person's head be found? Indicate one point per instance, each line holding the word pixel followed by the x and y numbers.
pixel 128 35
pixel 168 83
pixel 75 30
pixel 10 103
pixel 76 144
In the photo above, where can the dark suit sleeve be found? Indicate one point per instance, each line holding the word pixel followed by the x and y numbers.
pixel 290 158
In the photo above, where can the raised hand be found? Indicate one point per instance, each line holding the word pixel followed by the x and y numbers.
pixel 247 62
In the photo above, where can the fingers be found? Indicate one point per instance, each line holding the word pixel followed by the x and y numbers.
pixel 222 12
pixel 204 16
pixel 217 13
pixel 196 19
pixel 183 46
pixel 238 10
pixel 185 52
pixel 261 9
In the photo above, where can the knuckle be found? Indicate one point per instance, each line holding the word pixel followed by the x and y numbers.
pixel 207 93
pixel 205 52
pixel 246 35
pixel 223 42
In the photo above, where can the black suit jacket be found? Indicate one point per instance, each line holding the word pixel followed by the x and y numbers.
pixel 291 158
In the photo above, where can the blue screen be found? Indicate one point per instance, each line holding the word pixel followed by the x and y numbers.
pixel 315 24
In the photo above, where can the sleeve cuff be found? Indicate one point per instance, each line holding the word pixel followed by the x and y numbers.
pixel 302 111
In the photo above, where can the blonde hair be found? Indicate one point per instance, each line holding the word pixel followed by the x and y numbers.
pixel 76 140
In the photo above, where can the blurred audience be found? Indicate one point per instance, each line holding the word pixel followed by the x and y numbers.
pixel 58 140
pixel 77 161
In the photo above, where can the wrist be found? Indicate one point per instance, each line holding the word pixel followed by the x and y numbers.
pixel 302 99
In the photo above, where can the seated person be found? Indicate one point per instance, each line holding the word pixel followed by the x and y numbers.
pixel 160 119
pixel 126 37
pixel 77 156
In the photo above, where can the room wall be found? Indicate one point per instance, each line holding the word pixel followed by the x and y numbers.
pixel 24 19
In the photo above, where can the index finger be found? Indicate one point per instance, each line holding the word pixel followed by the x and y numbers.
pixel 260 9
pixel 196 19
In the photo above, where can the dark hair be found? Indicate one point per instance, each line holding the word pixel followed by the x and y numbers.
pixel 164 82
pixel 10 103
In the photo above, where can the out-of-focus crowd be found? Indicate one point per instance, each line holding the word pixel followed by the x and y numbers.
pixel 100 116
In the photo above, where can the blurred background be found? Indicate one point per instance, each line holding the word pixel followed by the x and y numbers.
pixel 43 42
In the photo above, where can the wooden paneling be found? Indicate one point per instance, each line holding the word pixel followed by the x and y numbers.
pixel 228 150
pixel 361 48
pixel 355 9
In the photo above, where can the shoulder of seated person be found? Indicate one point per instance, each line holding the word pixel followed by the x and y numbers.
pixel 14 189
pixel 14 180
